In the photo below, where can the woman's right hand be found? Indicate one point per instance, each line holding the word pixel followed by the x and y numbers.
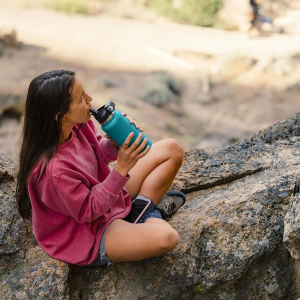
pixel 129 156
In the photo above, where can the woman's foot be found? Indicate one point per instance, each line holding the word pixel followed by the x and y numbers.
pixel 170 203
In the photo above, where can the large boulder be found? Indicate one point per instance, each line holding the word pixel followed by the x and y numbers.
pixel 26 272
pixel 231 234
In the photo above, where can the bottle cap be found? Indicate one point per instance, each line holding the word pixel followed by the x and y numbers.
pixel 104 112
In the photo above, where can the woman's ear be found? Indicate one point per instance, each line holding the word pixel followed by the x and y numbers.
pixel 56 117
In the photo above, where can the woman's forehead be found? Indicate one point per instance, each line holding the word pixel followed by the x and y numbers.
pixel 77 88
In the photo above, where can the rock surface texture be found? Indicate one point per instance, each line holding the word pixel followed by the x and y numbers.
pixel 26 271
pixel 239 233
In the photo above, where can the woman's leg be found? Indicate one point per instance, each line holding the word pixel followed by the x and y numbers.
pixel 125 241
pixel 154 173
pixel 150 177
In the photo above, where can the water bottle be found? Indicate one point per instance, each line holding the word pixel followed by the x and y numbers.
pixel 116 125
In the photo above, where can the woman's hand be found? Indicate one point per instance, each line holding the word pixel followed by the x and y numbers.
pixel 132 122
pixel 129 156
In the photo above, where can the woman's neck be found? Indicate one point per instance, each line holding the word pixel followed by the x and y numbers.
pixel 66 134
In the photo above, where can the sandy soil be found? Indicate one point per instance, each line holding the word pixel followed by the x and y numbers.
pixel 243 97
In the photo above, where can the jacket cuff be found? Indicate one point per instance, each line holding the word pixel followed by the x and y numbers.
pixel 115 182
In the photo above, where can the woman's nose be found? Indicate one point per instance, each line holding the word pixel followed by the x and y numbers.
pixel 89 98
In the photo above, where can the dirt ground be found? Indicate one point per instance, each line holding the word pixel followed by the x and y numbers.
pixel 226 99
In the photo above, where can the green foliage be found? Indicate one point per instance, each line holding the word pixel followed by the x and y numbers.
pixel 198 288
pixel 194 12
pixel 69 6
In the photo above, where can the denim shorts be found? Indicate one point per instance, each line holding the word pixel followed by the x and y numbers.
pixel 102 259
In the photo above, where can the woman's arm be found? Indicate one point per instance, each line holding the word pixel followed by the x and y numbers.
pixel 109 152
pixel 68 194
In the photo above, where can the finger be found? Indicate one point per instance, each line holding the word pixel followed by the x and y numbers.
pixel 129 118
pixel 137 142
pixel 142 145
pixel 128 140
pixel 124 114
pixel 142 154
pixel 107 136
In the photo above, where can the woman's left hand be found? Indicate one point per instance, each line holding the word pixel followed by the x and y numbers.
pixel 132 122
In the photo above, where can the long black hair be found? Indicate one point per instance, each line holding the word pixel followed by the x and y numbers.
pixel 48 99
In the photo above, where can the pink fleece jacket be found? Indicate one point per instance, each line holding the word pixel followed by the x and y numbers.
pixel 78 197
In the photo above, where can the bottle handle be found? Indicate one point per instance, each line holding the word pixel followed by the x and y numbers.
pixel 110 104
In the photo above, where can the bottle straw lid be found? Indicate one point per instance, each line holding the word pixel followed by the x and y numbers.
pixel 104 112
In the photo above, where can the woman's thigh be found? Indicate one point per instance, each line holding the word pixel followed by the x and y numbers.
pixel 159 153
pixel 132 242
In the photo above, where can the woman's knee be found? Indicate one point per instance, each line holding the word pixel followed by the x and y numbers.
pixel 176 150
pixel 169 239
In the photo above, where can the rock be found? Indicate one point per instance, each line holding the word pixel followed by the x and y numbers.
pixel 26 272
pixel 239 209
pixel 9 37
pixel 279 131
pixel 7 169
pixel 12 103
pixel 292 223
pixel 33 274
pixel 230 234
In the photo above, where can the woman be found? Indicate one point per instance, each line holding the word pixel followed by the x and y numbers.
pixel 76 203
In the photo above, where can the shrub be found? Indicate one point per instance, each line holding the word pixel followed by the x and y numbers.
pixel 161 88
pixel 157 94
pixel 69 6
pixel 194 12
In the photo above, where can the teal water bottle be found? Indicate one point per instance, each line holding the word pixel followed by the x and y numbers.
pixel 116 125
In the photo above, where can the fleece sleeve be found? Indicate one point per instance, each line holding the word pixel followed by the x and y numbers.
pixel 67 194
pixel 109 152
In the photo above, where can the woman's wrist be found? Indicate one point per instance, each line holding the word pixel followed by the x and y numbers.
pixel 123 172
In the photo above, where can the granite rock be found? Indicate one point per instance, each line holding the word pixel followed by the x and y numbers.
pixel 26 271
pixel 239 233
pixel 231 231
pixel 292 223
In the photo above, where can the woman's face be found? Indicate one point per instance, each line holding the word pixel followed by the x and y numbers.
pixel 80 106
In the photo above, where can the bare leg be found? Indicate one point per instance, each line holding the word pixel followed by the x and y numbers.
pixel 131 242
pixel 151 177
pixel 154 173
